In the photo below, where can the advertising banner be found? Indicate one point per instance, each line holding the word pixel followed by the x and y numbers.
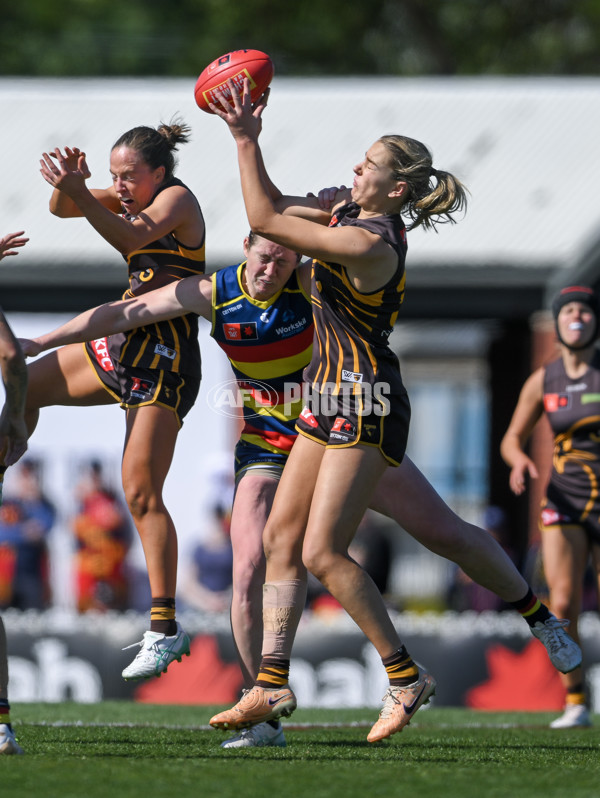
pixel 487 661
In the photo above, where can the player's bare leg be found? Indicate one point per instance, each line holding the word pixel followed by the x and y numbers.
pixel 347 479
pixel 251 506
pixel 565 553
pixel 339 493
pixel 149 447
pixel 285 583
pixel 63 377
pixel 404 495
pixel 8 742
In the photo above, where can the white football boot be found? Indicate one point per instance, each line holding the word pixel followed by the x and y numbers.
pixel 563 651
pixel 262 735
pixel 575 715
pixel 157 652
pixel 8 743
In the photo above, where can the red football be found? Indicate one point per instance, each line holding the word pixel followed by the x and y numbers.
pixel 237 65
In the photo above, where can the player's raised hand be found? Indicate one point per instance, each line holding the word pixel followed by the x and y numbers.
pixel 11 242
pixel 64 171
pixel 75 160
pixel 241 115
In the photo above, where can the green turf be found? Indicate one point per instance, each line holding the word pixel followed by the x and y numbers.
pixel 73 752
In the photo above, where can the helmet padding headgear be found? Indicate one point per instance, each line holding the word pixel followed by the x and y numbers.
pixel 576 293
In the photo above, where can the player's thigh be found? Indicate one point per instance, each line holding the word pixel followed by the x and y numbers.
pixel 565 551
pixel 149 447
pixel 344 488
pixel 289 515
pixel 64 377
pixel 406 496
pixel 251 507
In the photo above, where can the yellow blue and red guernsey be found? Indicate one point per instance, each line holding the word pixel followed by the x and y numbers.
pixel 268 343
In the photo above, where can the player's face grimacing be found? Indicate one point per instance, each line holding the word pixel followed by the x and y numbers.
pixel 268 267
pixel 374 182
pixel 133 179
pixel 576 324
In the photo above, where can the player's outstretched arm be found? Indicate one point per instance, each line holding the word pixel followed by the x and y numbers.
pixel 350 246
pixel 191 295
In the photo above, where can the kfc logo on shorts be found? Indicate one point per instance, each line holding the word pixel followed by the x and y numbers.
pixel 141 389
pixel 343 430
pixel 100 347
pixel 552 517
pixel 556 401
pixel 308 417
pixel 161 349
pixel 245 331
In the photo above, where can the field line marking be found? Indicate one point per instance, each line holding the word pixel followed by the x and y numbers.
pixel 77 724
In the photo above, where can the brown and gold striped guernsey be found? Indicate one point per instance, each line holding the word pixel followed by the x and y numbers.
pixel 167 345
pixel 352 328
pixel 573 410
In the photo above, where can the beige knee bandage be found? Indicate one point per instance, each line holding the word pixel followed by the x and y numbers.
pixel 283 603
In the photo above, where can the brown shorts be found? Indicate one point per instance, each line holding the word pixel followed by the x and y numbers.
pixel 137 387
pixel 383 424
pixel 558 510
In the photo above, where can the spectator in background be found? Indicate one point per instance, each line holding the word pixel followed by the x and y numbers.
pixel 26 520
pixel 208 578
pixel 207 585
pixel 103 533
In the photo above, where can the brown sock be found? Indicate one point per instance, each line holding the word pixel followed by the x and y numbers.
pixel 162 616
pixel 400 668
pixel 273 672
pixel 576 695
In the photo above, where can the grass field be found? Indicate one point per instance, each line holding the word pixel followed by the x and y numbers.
pixel 127 750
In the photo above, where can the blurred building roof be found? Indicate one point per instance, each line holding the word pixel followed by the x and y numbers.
pixel 525 147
